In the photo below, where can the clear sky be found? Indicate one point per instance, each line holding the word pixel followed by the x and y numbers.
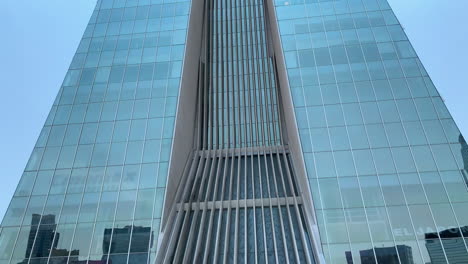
pixel 39 39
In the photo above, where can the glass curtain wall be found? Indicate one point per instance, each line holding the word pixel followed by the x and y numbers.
pixel 94 186
pixel 385 160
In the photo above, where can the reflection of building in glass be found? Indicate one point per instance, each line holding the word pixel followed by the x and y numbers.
pixel 464 152
pixel 119 240
pixel 451 241
pixel 387 255
pixel 44 238
pixel 41 240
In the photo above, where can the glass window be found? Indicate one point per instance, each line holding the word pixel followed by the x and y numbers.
pixel 121 233
pixel 336 226
pixel 78 113
pixel 89 207
pixel 370 113
pixel 403 160
pixel 338 257
pixel 82 239
pixel 52 209
pixel 317 116
pixel 137 130
pixel 125 206
pixel 425 108
pixel 352 114
pixel 130 177
pixel 151 151
pixel 462 214
pixel 117 153
pixel 105 132
pixel 26 184
pixel 321 141
pixel 415 133
pixel 42 184
pixel 383 161
pixel 95 178
pixel 444 217
pixel 357 225
pixel 380 228
pixel 451 131
pixel 66 158
pixel 412 188
pixel 344 163
pixel 389 111
pixel 88 133
pixel 100 152
pixel 325 165
pixel 77 180
pixel 56 136
pixel 330 94
pixel 434 132
pixel 134 152
pixel 125 110
pixel 377 136
pixel 60 181
pixel 434 187
pixel 101 239
pixel 391 189
pixel 334 115
pixel 456 186
pixel 371 191
pixel 422 219
pixel 396 134
pixel 357 137
pixel 83 156
pixel 401 223
pixel 50 158
pixel 443 157
pixel 330 193
pixel 107 206
pixel 382 90
pixel 339 138
pixel 62 243
pixel 69 211
pixel 15 211
pixel 347 93
pixel 350 192
pixel 400 88
pixel 364 162
pixel 121 131
pixel 72 135
pixel 410 67
pixel 144 204
pixel 148 175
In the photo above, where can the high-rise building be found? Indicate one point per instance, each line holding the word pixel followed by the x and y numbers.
pixel 243 131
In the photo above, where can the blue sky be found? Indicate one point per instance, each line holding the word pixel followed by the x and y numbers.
pixel 39 39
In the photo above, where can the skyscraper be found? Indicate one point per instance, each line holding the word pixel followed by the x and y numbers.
pixel 243 131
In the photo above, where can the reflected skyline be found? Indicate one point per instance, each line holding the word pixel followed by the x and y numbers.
pixel 387 255
pixel 451 242
pixel 118 244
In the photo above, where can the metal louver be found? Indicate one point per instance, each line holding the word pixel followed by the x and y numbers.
pixel 238 199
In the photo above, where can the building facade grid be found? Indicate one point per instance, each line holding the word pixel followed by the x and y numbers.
pixel 386 164
pixel 384 158
pixel 100 163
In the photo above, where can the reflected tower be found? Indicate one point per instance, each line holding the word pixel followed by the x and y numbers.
pixel 464 154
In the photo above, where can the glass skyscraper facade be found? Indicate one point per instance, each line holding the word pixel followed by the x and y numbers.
pixel 385 161
pixel 97 174
pixel 243 131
